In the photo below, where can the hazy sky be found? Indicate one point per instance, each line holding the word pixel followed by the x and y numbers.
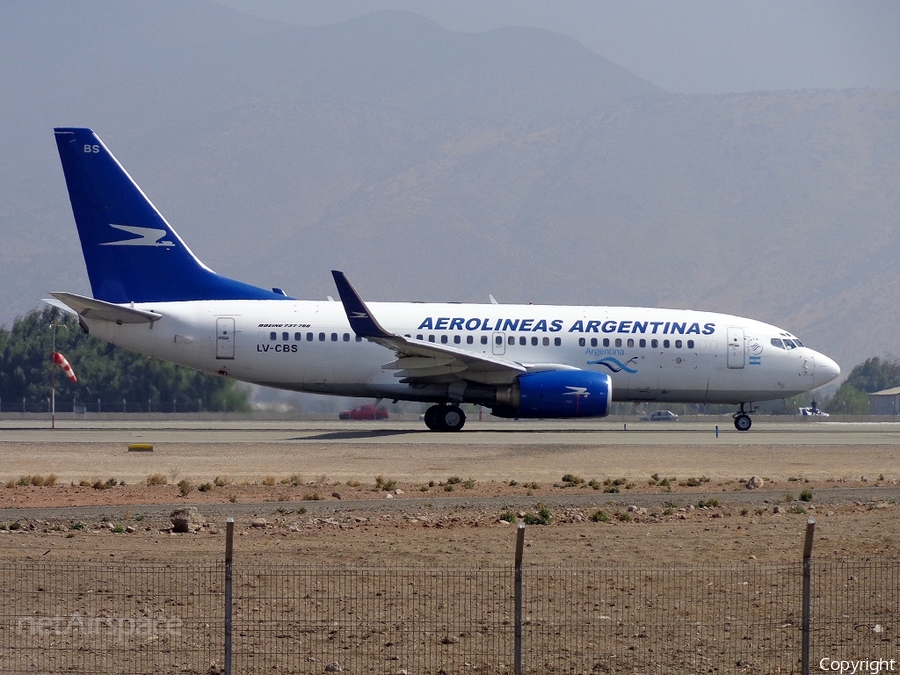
pixel 684 46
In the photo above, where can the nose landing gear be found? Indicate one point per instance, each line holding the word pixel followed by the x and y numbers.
pixel 742 421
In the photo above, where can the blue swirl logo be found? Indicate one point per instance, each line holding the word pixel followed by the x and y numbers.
pixel 614 365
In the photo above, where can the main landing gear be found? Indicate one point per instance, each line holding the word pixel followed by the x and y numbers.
pixel 445 418
pixel 742 421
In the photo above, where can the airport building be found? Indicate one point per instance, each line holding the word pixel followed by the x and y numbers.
pixel 885 402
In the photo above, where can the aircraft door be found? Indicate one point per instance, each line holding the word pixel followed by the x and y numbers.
pixel 224 337
pixel 498 342
pixel 735 347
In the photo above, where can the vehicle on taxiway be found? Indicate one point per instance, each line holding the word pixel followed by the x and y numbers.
pixel 366 411
pixel 660 416
pixel 811 412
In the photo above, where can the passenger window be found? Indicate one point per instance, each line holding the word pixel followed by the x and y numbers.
pixel 321 337
pixel 470 340
pixel 618 342
pixel 431 338
pixel 534 341
pixel 512 340
pixel 523 340
pixel 273 335
pixel 358 339
pixel 630 342
pixel 654 343
pixel 606 342
pixel 546 342
pixel 677 344
pixel 557 341
pixel 690 344
pixel 666 344
pixel 457 339
pixel 484 339
pixel 334 337
pixel 443 339
pixel 581 342
pixel 498 340
pixel 284 336
pixel 642 343
pixel 419 337
pixel 593 342
pixel 309 337
pixel 298 337
pixel 346 337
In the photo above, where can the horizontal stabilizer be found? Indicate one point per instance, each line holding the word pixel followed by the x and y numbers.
pixel 107 311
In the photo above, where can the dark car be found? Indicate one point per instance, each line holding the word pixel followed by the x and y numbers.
pixel 660 416
pixel 365 412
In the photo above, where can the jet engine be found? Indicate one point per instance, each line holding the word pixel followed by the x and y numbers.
pixel 556 394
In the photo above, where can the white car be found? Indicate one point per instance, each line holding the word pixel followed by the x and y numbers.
pixel 660 416
pixel 812 412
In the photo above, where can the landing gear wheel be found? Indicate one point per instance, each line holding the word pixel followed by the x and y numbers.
pixel 431 418
pixel 742 422
pixel 452 418
pixel 445 418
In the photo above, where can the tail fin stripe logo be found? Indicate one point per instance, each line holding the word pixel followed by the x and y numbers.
pixel 147 236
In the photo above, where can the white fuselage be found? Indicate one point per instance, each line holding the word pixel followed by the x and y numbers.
pixel 650 354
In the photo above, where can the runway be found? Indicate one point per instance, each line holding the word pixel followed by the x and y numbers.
pixel 404 450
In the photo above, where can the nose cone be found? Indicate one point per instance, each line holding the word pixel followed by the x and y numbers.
pixel 826 369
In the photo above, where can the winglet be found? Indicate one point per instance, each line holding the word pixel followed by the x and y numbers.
pixel 98 309
pixel 361 320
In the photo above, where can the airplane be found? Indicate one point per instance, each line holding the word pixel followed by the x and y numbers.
pixel 151 294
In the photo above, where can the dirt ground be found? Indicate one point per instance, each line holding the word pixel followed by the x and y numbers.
pixel 476 535
pixel 384 508
pixel 356 494
pixel 450 519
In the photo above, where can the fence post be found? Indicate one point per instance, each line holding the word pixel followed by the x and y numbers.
pixel 520 548
pixel 807 586
pixel 229 550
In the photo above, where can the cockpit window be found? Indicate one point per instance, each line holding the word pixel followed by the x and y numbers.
pixel 797 342
pixel 789 344
pixel 777 343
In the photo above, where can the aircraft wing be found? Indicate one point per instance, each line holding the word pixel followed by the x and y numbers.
pixel 419 361
pixel 99 309
pixel 427 362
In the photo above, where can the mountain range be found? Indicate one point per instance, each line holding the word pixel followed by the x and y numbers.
pixel 437 165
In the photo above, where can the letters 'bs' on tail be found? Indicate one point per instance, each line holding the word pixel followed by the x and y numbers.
pixel 132 254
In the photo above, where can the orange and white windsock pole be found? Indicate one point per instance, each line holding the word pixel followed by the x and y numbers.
pixel 60 360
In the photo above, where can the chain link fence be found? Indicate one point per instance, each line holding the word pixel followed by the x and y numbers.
pixel 87 617
pixel 124 617
pixel 80 407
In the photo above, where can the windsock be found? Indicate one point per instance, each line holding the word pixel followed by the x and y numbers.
pixel 60 360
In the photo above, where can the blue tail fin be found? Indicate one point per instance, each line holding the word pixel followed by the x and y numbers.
pixel 132 254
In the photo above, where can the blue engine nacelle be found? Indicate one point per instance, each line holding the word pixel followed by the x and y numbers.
pixel 559 393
